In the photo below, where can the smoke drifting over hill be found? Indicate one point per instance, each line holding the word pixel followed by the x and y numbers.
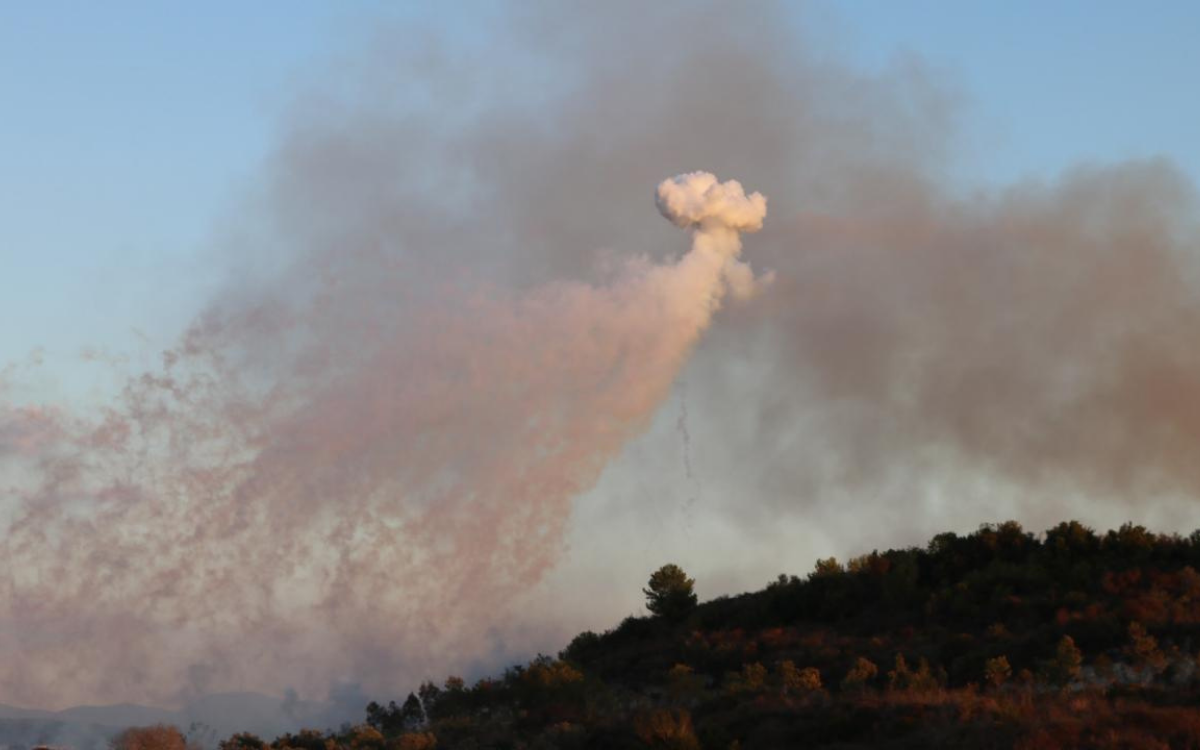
pixel 406 487
pixel 457 308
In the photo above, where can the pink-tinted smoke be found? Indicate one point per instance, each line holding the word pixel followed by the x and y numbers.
pixel 363 516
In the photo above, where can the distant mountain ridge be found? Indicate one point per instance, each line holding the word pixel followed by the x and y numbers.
pixel 206 719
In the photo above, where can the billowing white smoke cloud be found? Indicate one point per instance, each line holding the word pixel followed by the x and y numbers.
pixel 698 198
pixel 718 211
pixel 366 514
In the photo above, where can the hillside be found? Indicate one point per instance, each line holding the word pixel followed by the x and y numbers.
pixel 998 638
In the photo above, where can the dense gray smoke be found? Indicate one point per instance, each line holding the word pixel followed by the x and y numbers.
pixel 455 308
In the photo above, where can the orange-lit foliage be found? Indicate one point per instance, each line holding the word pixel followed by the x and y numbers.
pixel 157 737
pixel 1077 639
pixel 668 729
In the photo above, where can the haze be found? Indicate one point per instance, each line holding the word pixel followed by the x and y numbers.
pixel 412 377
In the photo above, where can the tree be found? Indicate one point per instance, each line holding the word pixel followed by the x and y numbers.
pixel 550 674
pixel 794 681
pixel 1066 664
pixel 684 686
pixel 394 720
pixel 243 741
pixel 752 679
pixel 1071 538
pixel 386 719
pixel 417 741
pixel 826 567
pixel 670 593
pixel 1068 657
pixel 997 671
pixel 412 714
pixel 900 678
pixel 157 737
pixel 667 729
pixel 1144 650
pixel 857 679
pixel 904 679
pixel 305 739
pixel 429 694
pixel 363 737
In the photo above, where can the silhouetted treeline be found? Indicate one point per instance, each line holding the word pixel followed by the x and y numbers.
pixel 998 638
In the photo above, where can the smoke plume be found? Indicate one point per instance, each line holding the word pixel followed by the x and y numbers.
pixel 719 211
pixel 377 505
pixel 453 317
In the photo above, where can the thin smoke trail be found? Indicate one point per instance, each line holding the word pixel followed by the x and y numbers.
pixel 688 506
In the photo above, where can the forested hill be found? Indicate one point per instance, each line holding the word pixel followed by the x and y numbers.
pixel 999 638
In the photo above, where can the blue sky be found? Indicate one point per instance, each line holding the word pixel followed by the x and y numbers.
pixel 128 128
pixel 1051 84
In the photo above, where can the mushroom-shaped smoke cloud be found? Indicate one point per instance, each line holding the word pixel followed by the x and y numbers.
pixel 697 198
pixel 718 211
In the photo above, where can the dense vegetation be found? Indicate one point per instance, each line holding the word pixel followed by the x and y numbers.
pixel 998 638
